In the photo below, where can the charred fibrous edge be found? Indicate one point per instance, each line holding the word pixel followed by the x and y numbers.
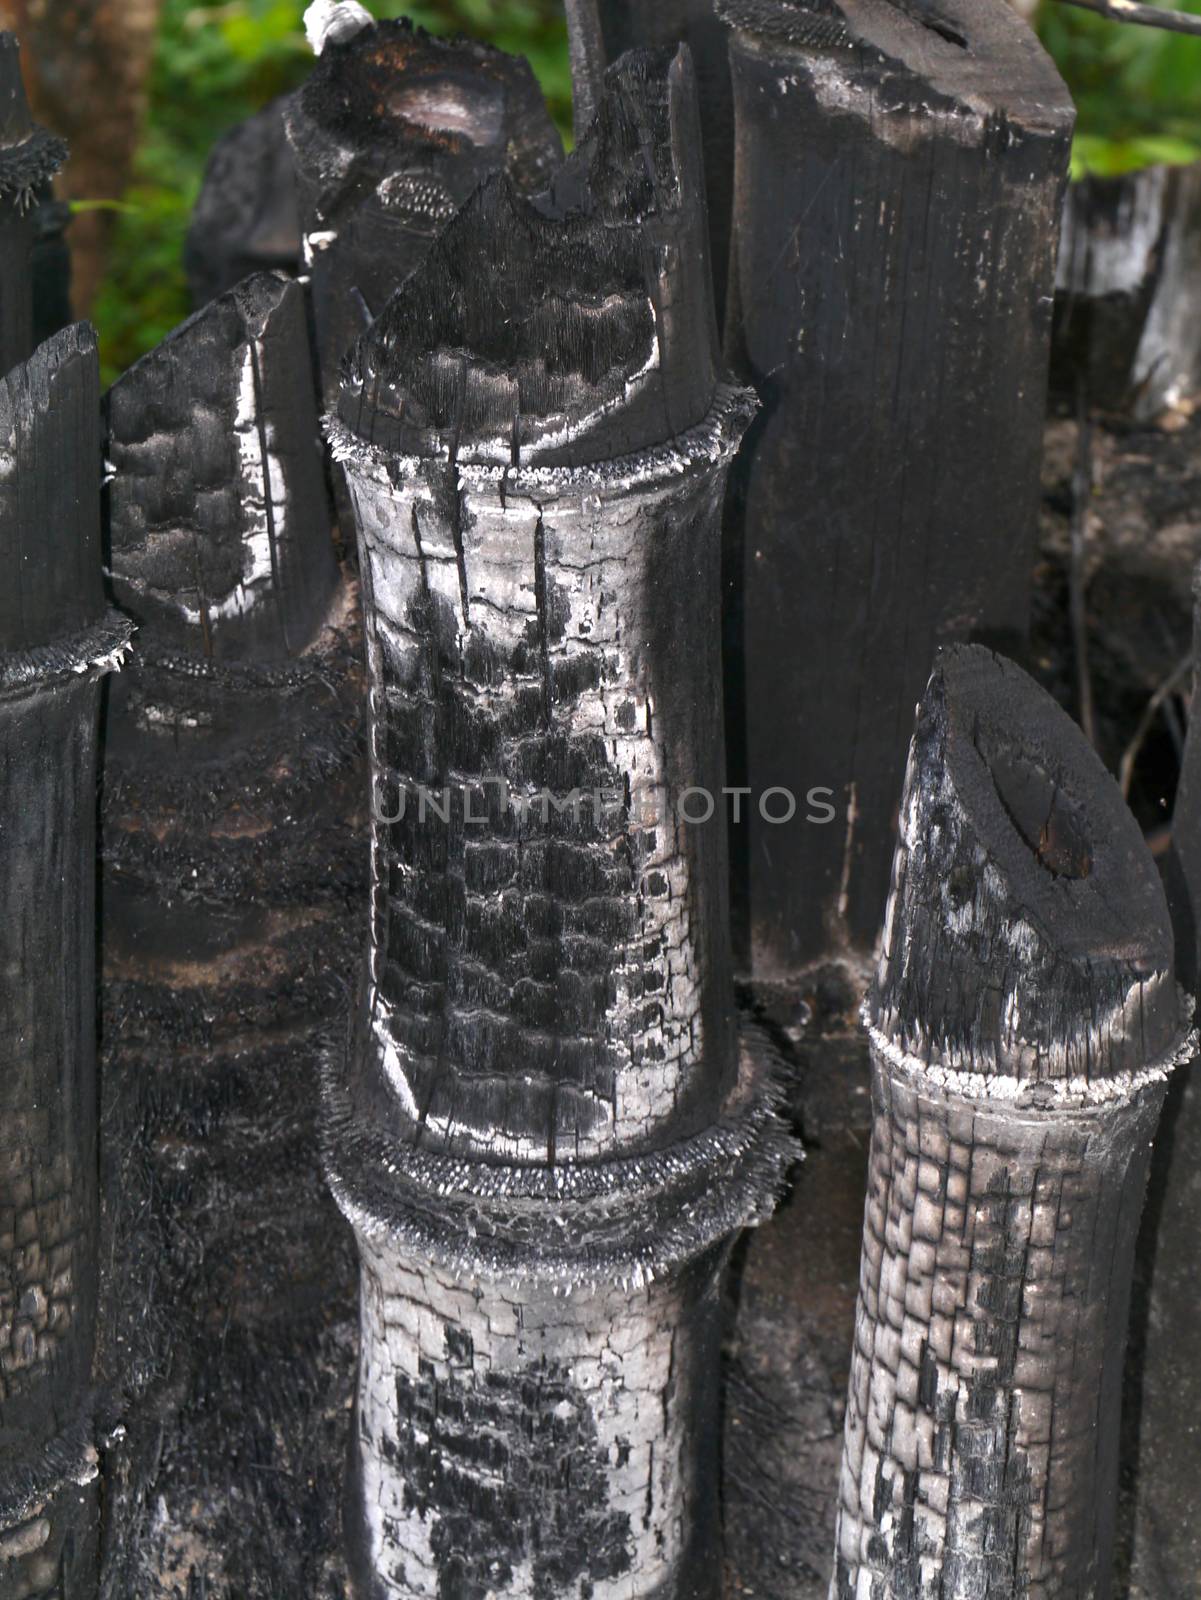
pixel 103 647
pixel 28 166
pixel 1050 1096
pixel 25 1487
pixel 713 439
pixel 628 1220
pixel 593 337
pixel 27 162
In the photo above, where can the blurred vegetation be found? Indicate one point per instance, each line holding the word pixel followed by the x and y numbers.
pixel 1138 91
pixel 215 65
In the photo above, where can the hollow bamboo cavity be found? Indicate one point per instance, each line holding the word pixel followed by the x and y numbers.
pixel 389 135
pixel 57 640
pixel 546 1132
pixel 1023 1022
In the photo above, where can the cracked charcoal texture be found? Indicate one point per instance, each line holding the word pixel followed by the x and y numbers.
pixel 1127 318
pixel 54 635
pixel 547 991
pixel 897 196
pixel 1010 1146
pixel 391 133
pixel 232 886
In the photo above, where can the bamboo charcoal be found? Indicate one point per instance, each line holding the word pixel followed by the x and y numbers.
pixel 898 178
pixel 51 266
pixel 390 134
pixel 57 639
pixel 1023 1022
pixel 1167 1536
pixel 1128 302
pixel 247 216
pixel 546 1133
pixel 231 870
pixel 29 158
pixel 628 24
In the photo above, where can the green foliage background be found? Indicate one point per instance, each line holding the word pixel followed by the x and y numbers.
pixel 1138 92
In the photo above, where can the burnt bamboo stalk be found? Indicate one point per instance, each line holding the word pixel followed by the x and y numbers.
pixel 390 134
pixel 629 24
pixel 57 640
pixel 231 880
pixel 546 1132
pixel 29 158
pixel 898 180
pixel 1166 1446
pixel 1023 1022
pixel 1128 296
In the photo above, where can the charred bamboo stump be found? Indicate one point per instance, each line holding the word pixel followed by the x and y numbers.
pixel 247 217
pixel 390 134
pixel 51 265
pixel 232 877
pixel 898 175
pixel 57 640
pixel 1128 296
pixel 29 158
pixel 1023 1023
pixel 546 1132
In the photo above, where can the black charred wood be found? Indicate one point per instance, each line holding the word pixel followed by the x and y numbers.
pixel 231 881
pixel 391 133
pixel 51 263
pixel 547 1130
pixel 1023 1021
pixel 57 639
pixel 247 215
pixel 898 180
pixel 1128 296
pixel 29 158
pixel 627 24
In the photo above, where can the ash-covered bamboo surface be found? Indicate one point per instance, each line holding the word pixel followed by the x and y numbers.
pixel 1024 1020
pixel 547 1131
pixel 232 891
pixel 57 640
pixel 897 184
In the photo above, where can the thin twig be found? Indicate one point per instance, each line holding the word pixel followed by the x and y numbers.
pixel 1082 488
pixel 586 47
pixel 1169 686
pixel 1146 16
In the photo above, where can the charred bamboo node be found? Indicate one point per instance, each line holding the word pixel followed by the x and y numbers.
pixel 630 1219
pixel 29 159
pixel 1023 1023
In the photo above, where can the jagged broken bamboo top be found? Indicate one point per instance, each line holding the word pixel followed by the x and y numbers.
pixel 29 155
pixel 427 117
pixel 219 525
pixel 974 59
pixel 1027 940
pixel 564 329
